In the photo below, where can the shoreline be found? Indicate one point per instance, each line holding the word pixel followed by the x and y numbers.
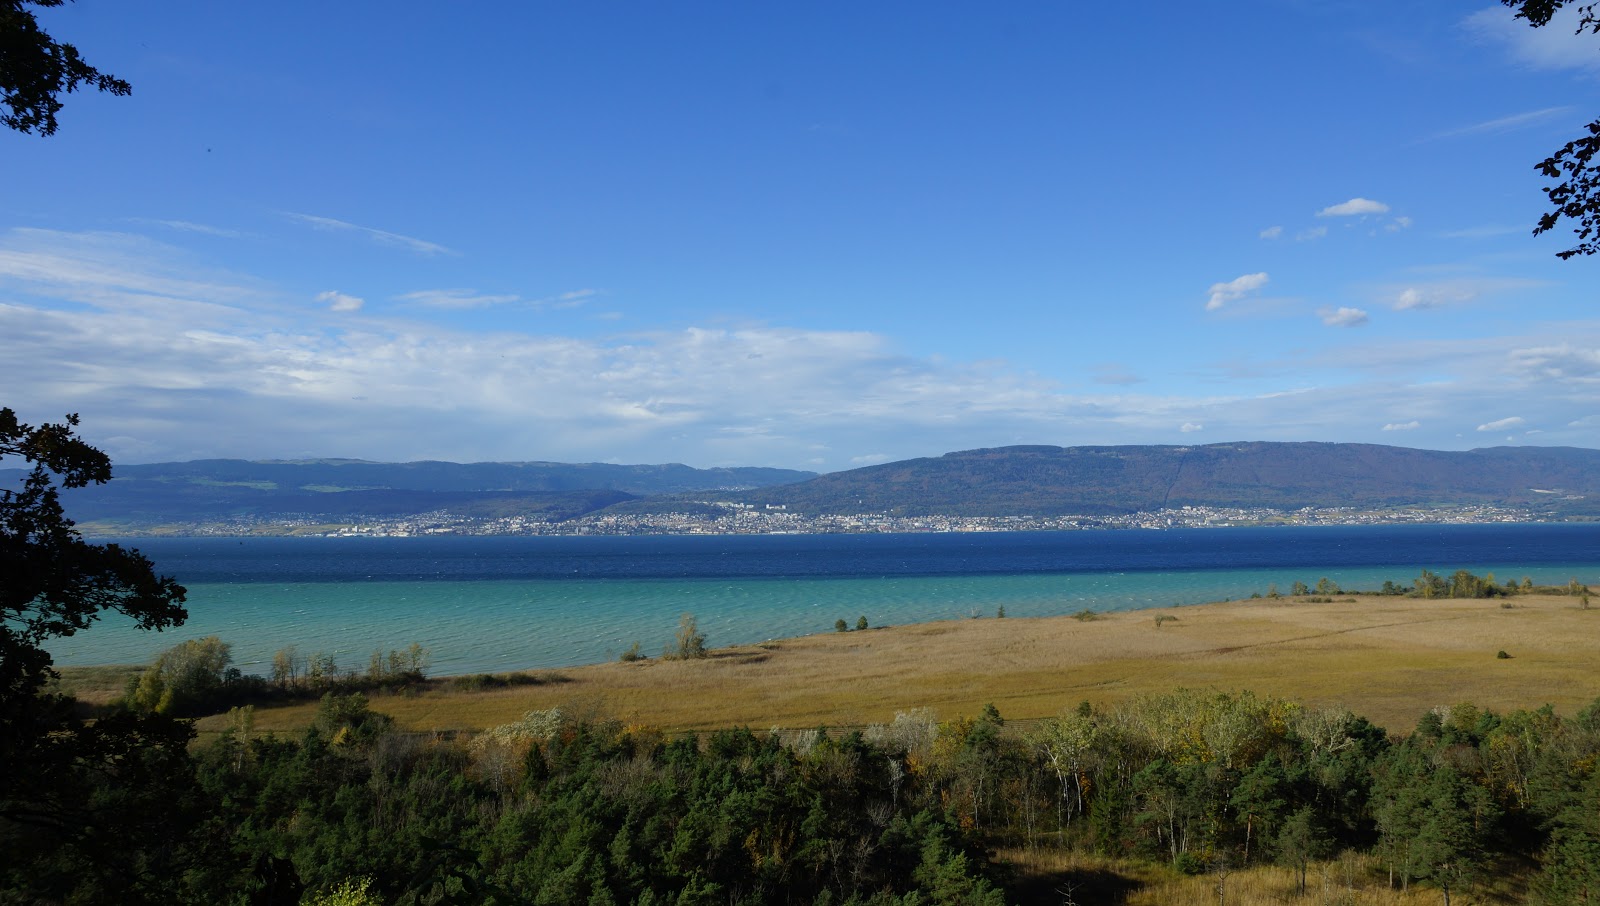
pixel 1386 658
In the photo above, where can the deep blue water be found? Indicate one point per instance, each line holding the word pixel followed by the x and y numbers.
pixel 496 603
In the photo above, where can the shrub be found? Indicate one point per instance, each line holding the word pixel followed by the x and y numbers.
pixel 1085 615
pixel 1501 655
pixel 346 719
pixel 1165 618
pixel 352 892
pixel 840 625
pixel 477 682
pixel 861 622
pixel 1000 614
pixel 690 642
pixel 185 678
pixel 631 655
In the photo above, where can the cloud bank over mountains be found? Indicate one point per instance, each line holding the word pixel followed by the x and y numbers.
pixel 167 358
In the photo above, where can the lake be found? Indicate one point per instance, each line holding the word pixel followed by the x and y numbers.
pixel 506 603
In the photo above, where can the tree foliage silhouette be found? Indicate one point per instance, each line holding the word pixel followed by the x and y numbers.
pixel 69 786
pixel 35 70
pixel 1577 194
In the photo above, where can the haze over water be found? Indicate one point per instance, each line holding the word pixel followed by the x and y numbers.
pixel 507 603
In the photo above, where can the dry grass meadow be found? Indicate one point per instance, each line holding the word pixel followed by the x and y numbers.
pixel 1387 658
pixel 1061 877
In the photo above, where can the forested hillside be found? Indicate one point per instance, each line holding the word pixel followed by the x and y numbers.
pixel 230 488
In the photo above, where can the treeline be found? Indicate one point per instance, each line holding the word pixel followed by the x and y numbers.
pixel 1460 584
pixel 557 809
pixel 197 677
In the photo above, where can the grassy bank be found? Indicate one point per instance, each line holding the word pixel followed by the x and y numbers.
pixel 1388 658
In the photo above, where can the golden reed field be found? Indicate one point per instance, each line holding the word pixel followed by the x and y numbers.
pixel 1386 658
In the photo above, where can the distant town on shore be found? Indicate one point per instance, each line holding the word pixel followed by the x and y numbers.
pixel 742 519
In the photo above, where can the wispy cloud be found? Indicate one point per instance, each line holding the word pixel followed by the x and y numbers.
pixel 337 301
pixel 1272 232
pixel 1311 234
pixel 1118 375
pixel 1355 207
pixel 456 298
pixel 1342 316
pixel 1553 46
pixel 1563 362
pixel 1432 294
pixel 185 226
pixel 382 237
pixel 572 299
pixel 1403 426
pixel 1237 288
pixel 1484 232
pixel 119 271
pixel 1506 123
pixel 1503 424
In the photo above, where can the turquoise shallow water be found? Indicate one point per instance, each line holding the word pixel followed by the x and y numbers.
pixel 477 624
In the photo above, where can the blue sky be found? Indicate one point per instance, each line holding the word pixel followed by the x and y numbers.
pixel 815 236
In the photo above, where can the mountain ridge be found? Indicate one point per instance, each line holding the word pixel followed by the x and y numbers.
pixel 1020 480
pixel 1099 480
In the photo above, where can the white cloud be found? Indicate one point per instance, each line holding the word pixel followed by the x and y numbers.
pixel 1342 316
pixel 1403 426
pixel 169 359
pixel 1552 46
pixel 1237 288
pixel 338 301
pixel 1563 362
pixel 382 237
pixel 455 298
pixel 1191 427
pixel 1312 234
pixel 1355 207
pixel 1454 291
pixel 1502 424
pixel 1413 298
pixel 1272 232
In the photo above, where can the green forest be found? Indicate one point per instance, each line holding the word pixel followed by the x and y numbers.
pixel 567 809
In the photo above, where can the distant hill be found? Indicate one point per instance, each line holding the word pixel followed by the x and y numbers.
pixel 223 488
pixel 1037 480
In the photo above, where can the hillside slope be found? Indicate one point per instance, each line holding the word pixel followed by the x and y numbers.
pixel 229 488
pixel 1038 480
